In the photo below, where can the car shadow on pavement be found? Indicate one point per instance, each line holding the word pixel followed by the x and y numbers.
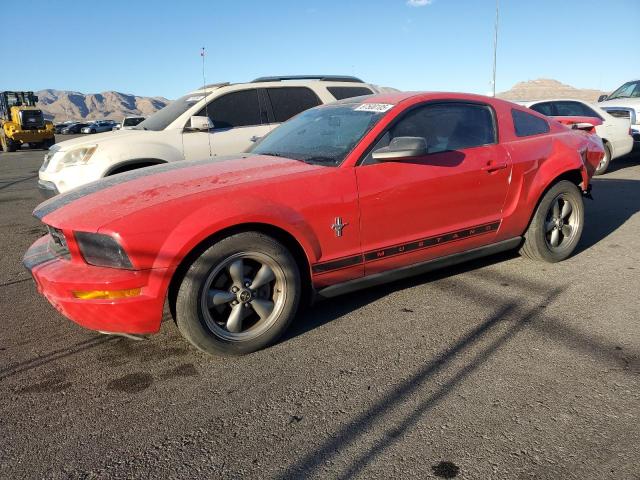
pixel 615 201
pixel 630 160
pixel 486 334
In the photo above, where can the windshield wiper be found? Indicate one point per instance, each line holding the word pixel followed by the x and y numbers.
pixel 320 160
pixel 272 154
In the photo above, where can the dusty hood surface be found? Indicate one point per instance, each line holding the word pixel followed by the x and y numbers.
pixel 92 205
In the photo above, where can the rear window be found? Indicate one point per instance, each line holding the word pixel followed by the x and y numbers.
pixel 340 93
pixel 527 125
pixel 287 102
pixel 543 108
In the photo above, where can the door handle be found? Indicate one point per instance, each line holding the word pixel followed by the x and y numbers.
pixel 492 167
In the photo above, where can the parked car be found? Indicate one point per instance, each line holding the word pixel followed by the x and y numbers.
pixel 615 132
pixel 128 123
pixel 74 128
pixel 220 120
pixel 61 126
pixel 97 127
pixel 340 197
pixel 624 102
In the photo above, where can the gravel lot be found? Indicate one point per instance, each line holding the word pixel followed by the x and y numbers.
pixel 500 369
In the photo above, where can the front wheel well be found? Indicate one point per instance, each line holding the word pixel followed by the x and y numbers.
pixel 282 236
pixel 133 165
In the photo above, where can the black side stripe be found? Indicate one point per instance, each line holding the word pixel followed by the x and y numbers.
pixel 373 255
pixel 337 264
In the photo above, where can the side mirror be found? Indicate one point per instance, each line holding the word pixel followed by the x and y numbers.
pixel 602 98
pixel 200 124
pixel 35 99
pixel 401 148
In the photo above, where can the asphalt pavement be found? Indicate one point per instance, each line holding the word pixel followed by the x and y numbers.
pixel 497 369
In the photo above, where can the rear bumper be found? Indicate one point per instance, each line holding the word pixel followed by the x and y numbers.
pixel 57 278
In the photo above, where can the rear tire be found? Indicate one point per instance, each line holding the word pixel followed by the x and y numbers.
pixel 606 160
pixel 239 296
pixel 556 226
pixel 48 143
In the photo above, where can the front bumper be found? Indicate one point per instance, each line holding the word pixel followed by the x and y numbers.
pixel 47 189
pixel 57 278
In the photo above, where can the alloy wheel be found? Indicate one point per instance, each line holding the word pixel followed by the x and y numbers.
pixel 561 224
pixel 243 296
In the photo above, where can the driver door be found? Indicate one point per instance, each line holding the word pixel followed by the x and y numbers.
pixel 239 118
pixel 445 202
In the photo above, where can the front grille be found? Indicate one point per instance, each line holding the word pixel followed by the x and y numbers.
pixel 58 244
pixel 31 119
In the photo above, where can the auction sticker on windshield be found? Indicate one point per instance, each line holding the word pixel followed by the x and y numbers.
pixel 373 107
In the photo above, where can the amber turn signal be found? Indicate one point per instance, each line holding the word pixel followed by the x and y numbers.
pixel 107 294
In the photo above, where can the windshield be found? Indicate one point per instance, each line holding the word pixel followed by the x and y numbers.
pixel 323 135
pixel 629 89
pixel 132 122
pixel 162 118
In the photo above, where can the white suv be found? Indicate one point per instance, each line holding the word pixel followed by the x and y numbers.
pixel 219 119
pixel 624 102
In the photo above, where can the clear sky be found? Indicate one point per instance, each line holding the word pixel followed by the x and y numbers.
pixel 153 47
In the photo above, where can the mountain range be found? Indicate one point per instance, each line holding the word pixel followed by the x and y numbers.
pixel 545 88
pixel 62 105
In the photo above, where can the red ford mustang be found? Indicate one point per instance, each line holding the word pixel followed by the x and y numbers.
pixel 342 196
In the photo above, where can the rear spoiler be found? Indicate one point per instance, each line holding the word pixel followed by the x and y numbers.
pixel 588 124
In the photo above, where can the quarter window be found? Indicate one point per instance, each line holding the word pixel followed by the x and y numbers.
pixel 235 109
pixel 340 93
pixel 289 101
pixel 527 125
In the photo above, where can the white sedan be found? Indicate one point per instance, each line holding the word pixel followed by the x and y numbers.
pixel 615 132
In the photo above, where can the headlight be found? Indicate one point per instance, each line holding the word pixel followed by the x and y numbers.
pixel 102 250
pixel 77 156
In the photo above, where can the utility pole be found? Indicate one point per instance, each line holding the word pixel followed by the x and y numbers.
pixel 495 49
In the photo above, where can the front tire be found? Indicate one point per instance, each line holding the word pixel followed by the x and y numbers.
pixel 606 160
pixel 239 296
pixel 557 224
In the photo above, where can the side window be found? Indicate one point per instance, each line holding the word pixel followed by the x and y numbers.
pixel 289 101
pixel 445 127
pixel 573 109
pixel 527 125
pixel 545 108
pixel 235 109
pixel 340 93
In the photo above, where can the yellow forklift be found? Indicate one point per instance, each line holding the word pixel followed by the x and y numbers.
pixel 21 122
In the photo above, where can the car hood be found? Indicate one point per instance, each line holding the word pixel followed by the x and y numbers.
pixel 621 102
pixel 105 138
pixel 95 204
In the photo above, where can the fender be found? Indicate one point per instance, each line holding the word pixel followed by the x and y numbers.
pixel 197 227
pixel 532 179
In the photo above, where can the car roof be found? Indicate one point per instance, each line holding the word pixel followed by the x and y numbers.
pixel 266 82
pixel 533 102
pixel 395 98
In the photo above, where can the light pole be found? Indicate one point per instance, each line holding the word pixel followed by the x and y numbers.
pixel 495 48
